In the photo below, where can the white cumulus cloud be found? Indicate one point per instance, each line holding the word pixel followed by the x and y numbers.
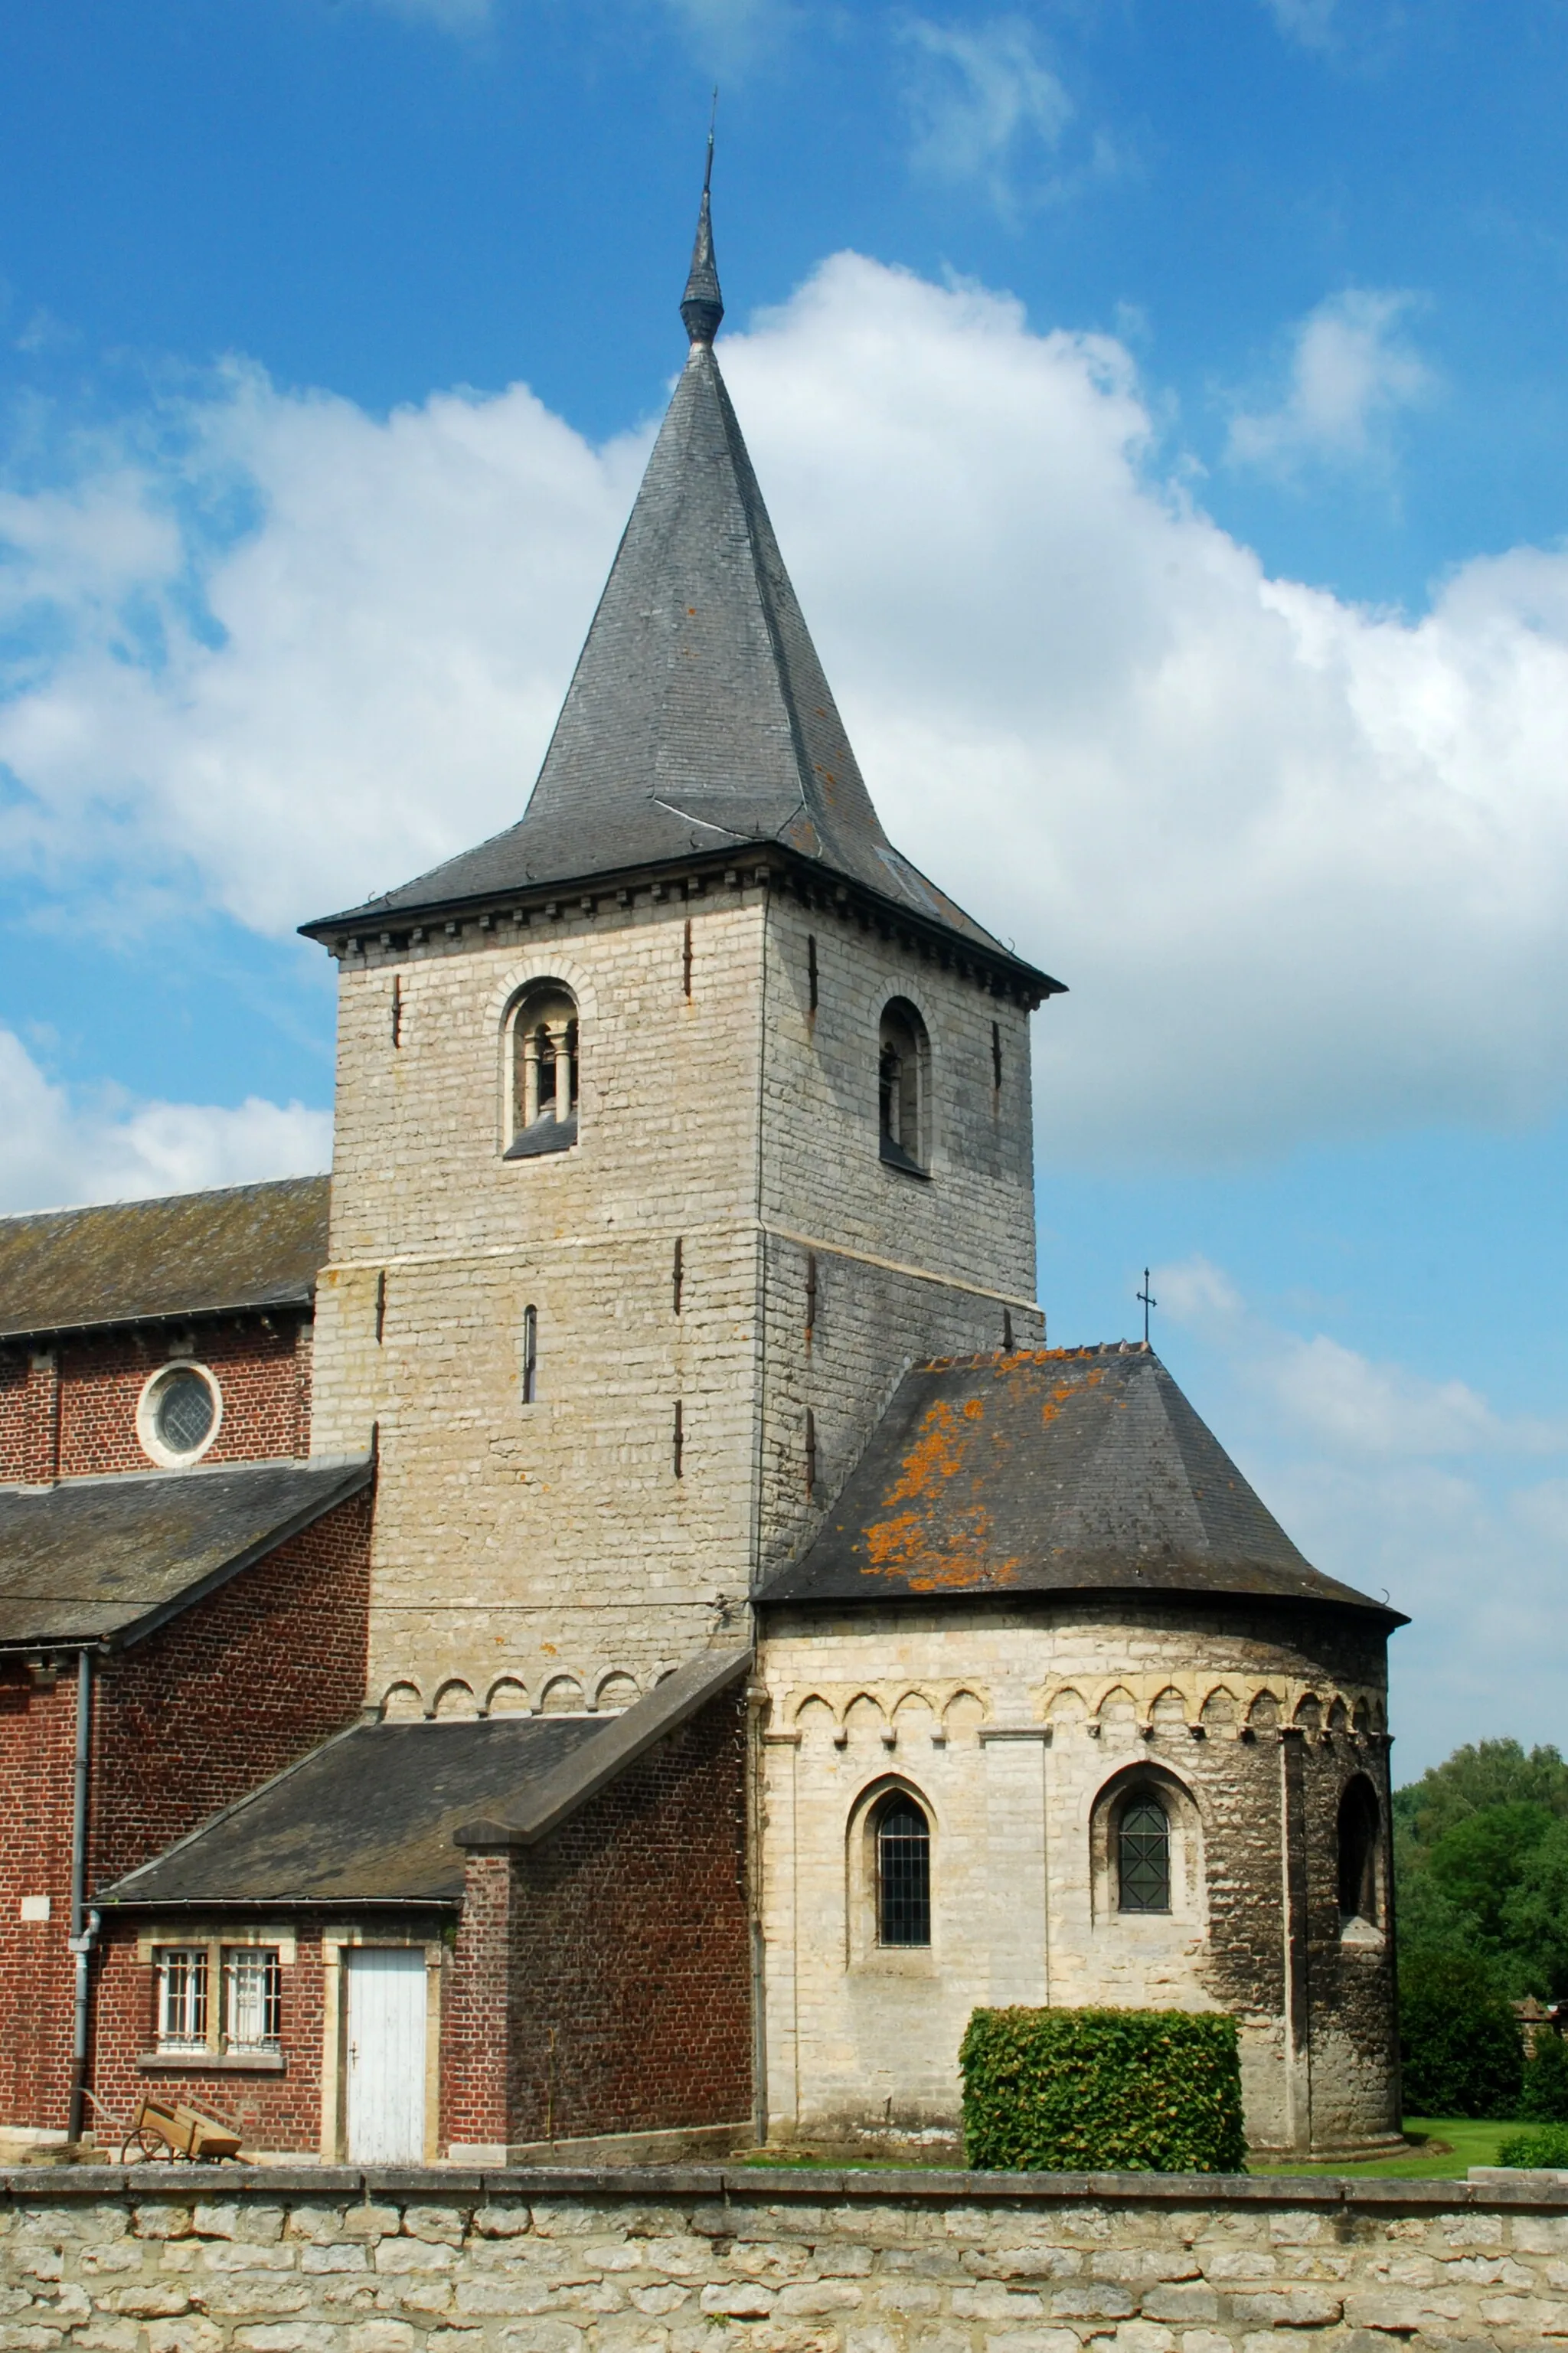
pixel 1401 1485
pixel 58 1147
pixel 1303 864
pixel 1353 368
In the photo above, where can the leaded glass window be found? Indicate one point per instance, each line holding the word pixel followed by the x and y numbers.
pixel 184 1414
pixel 903 1874
pixel 1143 1857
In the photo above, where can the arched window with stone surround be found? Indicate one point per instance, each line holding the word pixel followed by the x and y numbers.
pixel 902 1841
pixel 1360 1832
pixel 903 1088
pixel 1142 1853
pixel 544 1073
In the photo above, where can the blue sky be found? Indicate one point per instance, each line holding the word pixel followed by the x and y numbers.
pixel 1163 414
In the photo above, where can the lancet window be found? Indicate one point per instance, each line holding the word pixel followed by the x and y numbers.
pixel 1360 1827
pixel 903 1873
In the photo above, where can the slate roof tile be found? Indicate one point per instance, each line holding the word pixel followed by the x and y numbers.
pixel 106 1559
pixel 1051 1470
pixel 247 1246
pixel 699 718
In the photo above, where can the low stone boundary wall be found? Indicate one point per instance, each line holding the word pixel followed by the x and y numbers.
pixel 700 2259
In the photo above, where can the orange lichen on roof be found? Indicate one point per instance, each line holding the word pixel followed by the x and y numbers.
pixel 936 1453
pixel 953 1562
pixel 949 1554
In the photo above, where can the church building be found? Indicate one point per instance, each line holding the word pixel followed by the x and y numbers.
pixel 606 1625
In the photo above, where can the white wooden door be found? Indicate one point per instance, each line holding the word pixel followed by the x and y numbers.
pixel 387 2055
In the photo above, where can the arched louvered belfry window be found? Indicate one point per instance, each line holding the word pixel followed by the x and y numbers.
pixel 903 1873
pixel 1360 1829
pixel 903 1088
pixel 544 1072
pixel 1143 1854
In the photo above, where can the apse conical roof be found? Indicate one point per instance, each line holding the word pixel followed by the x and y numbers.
pixel 699 718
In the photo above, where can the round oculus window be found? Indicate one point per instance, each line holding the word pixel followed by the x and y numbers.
pixel 179 1415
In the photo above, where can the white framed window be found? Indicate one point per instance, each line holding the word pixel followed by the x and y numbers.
pixel 252 1997
pixel 244 2016
pixel 179 1414
pixel 183 1998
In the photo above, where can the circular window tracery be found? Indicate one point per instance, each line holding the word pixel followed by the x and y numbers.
pixel 179 1415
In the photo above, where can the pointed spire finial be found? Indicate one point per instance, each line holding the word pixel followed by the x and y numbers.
pixel 702 305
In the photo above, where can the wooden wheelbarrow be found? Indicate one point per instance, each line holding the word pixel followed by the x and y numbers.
pixel 170 2130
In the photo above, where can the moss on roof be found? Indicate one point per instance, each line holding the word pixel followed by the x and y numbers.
pixel 249 1246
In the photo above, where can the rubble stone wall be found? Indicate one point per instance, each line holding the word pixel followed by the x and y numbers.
pixel 737 2261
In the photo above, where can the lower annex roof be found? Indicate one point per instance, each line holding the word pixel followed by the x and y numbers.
pixel 108 1559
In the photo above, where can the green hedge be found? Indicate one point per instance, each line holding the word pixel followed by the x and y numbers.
pixel 1102 2091
pixel 1548 2148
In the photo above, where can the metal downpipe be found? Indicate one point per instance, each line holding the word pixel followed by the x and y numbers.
pixel 83 1923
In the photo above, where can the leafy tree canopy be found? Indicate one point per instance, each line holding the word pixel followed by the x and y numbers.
pixel 1481 1864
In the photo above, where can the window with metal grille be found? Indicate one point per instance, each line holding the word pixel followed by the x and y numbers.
pixel 1143 1857
pixel 903 1874
pixel 183 1998
pixel 253 1994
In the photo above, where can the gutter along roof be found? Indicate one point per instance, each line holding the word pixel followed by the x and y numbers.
pixel 106 1560
pixel 246 1249
pixel 699 721
pixel 1052 1471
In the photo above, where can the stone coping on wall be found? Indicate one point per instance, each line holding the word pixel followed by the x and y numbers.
pixel 769 2185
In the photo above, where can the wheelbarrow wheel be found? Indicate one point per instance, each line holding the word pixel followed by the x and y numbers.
pixel 139 2146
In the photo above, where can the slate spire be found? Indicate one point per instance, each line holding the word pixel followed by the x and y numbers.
pixel 699 718
pixel 702 305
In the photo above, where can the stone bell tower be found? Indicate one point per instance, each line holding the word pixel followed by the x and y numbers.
pixel 672 1124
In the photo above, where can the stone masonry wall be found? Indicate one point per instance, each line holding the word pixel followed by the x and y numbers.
pixel 737 2261
pixel 1017 1727
pixel 531 1555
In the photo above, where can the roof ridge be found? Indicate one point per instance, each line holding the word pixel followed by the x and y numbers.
pixel 161 1201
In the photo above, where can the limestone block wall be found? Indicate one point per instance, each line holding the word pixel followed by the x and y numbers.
pixel 710 2260
pixel 1017 1727
pixel 564 1552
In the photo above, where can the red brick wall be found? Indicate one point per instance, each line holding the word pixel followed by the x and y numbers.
pixel 37 1744
pixel 68 1413
pixel 270 2112
pixel 230 1692
pixel 474 2011
pixel 225 1695
pixel 29 1417
pixel 629 1942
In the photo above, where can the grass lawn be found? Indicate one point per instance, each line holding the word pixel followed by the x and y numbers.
pixel 1444 2149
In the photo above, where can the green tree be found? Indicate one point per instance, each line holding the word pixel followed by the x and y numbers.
pixel 1477 1863
pixel 1487 1773
pixel 1463 2054
pixel 1533 1921
pixel 1546 2097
